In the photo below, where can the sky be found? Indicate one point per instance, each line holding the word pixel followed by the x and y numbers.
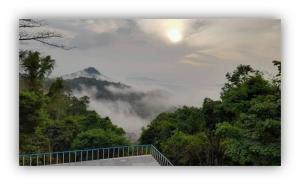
pixel 186 57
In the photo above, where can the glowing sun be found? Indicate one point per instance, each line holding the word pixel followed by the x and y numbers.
pixel 174 35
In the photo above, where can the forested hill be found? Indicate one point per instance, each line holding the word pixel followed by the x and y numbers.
pixel 52 119
pixel 243 128
pixel 98 87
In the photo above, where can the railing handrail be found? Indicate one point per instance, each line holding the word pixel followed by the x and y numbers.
pixel 83 150
pixel 164 157
pixel 64 157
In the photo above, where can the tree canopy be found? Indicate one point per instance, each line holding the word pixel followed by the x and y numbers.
pixel 51 118
pixel 242 128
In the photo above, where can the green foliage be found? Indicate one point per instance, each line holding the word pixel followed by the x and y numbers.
pixel 60 134
pixel 185 119
pixel 35 68
pixel 58 104
pixel 98 138
pixel 31 114
pixel 78 106
pixel 92 120
pixel 185 149
pixel 54 120
pixel 243 128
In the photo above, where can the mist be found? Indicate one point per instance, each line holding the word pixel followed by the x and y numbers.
pixel 130 115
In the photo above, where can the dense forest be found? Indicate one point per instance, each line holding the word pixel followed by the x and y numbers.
pixel 51 118
pixel 242 128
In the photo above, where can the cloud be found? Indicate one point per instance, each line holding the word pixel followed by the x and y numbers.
pixel 237 39
pixel 99 26
pixel 196 59
pixel 104 26
pixel 131 114
pixel 159 28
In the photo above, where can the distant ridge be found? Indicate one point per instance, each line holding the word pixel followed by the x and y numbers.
pixel 117 98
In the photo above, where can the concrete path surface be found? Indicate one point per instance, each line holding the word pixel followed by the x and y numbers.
pixel 143 160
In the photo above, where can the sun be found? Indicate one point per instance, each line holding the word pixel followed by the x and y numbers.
pixel 174 35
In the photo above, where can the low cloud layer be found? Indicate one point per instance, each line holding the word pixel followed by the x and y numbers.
pixel 133 114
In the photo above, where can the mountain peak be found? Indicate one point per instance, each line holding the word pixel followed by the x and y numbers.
pixel 89 72
pixel 92 71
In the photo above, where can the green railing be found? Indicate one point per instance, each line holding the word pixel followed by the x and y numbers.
pixel 79 156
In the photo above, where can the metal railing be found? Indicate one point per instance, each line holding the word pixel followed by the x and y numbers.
pixel 159 157
pixel 58 158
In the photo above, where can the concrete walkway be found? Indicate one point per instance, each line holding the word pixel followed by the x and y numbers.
pixel 143 160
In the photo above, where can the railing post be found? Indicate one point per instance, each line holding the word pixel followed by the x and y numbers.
pixel 132 151
pixel 56 158
pixel 63 157
pixel 159 157
pixel 44 160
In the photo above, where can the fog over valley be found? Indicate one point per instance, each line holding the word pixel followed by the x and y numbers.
pixel 128 107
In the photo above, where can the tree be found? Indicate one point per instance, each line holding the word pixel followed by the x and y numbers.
pixel 32 114
pixel 185 149
pixel 92 120
pixel 253 138
pixel 239 75
pixel 243 128
pixel 78 106
pixel 59 100
pixel 35 68
pixel 97 138
pixel 31 111
pixel 60 134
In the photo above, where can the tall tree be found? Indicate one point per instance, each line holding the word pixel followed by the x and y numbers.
pixel 34 68
pixel 253 138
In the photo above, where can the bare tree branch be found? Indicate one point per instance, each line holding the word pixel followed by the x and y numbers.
pixel 27 33
pixel 54 45
pixel 28 23
pixel 39 35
